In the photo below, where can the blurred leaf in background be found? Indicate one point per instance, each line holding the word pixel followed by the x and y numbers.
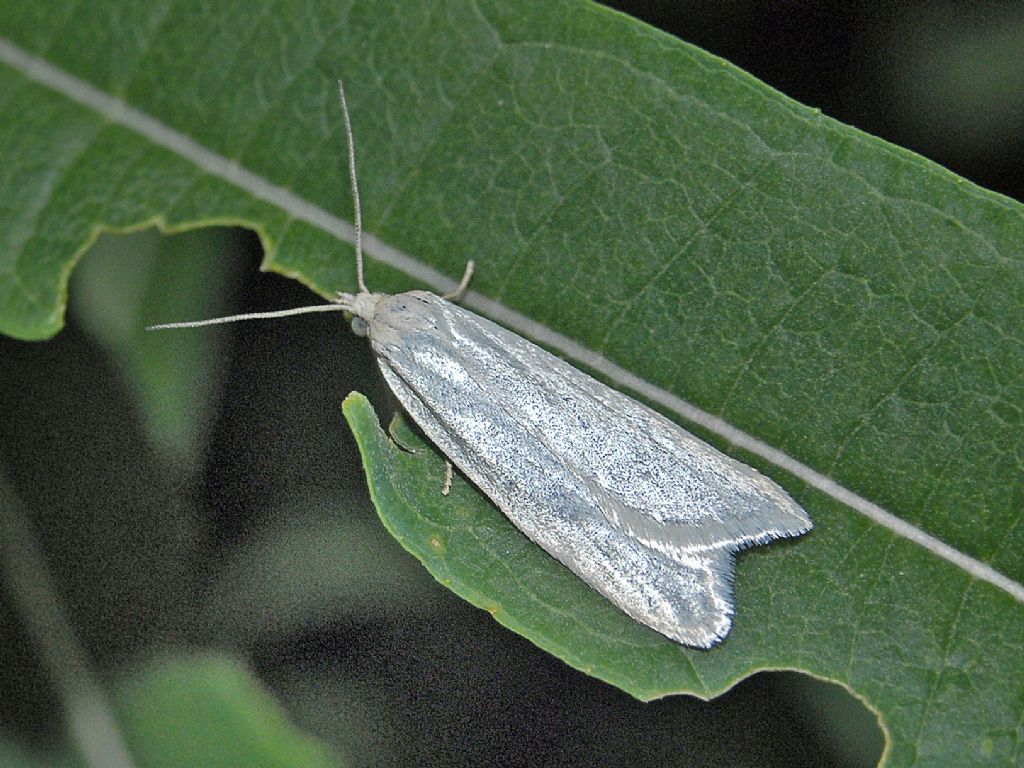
pixel 175 379
pixel 957 87
pixel 195 710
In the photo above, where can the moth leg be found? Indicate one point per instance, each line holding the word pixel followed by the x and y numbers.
pixel 447 487
pixel 460 289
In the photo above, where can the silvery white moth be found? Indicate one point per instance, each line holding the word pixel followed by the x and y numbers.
pixel 647 514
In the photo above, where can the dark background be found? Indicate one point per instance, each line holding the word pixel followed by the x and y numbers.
pixel 945 79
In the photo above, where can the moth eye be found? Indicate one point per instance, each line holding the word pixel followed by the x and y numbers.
pixel 360 327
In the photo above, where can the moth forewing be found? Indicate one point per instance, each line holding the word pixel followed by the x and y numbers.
pixel 643 511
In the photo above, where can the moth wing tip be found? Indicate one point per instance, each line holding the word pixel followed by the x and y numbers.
pixel 703 636
pixel 703 615
pixel 797 522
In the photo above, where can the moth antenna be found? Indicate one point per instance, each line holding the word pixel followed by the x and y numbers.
pixel 251 316
pixel 355 190
pixel 460 289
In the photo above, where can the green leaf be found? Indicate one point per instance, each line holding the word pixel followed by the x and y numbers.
pixel 848 303
pixel 209 711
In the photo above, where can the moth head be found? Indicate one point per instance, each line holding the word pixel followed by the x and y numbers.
pixel 362 306
pixel 360 327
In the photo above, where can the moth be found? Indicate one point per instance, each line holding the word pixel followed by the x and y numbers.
pixel 647 514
